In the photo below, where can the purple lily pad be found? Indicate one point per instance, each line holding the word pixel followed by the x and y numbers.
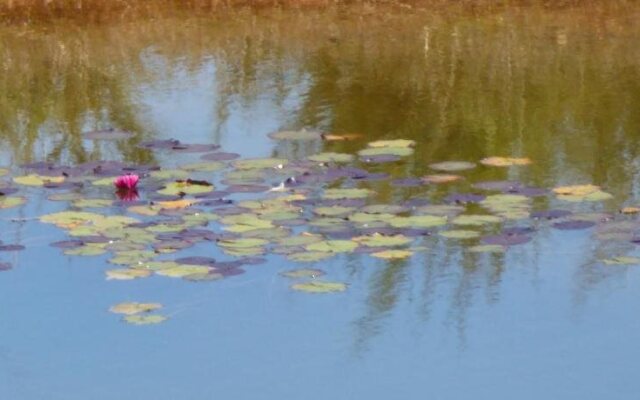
pixel 160 144
pixel 378 176
pixel 11 247
pixel 67 244
pixel 206 261
pixel 407 182
pixel 107 134
pixel 464 198
pixel 518 230
pixel 4 266
pixel 291 222
pixel 231 211
pixel 194 148
pixel 506 239
pixel 94 239
pixel 573 225
pixel 220 156
pixel 529 191
pixel 416 202
pixel 8 190
pixel 247 188
pixel 216 194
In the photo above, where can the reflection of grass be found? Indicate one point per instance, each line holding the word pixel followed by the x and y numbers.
pixel 559 87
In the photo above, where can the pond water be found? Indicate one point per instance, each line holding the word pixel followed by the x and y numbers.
pixel 483 280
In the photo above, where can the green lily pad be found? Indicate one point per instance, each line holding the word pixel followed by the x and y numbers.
pixel 337 194
pixel 377 240
pixel 333 246
pixel 186 187
pixel 452 166
pixel 86 250
pixel 365 218
pixel 460 234
pixel 144 319
pixel 333 211
pixel 418 221
pixel 37 180
pixel 182 270
pixel 203 277
pixel 303 273
pixel 127 274
pixel 392 151
pixel 332 158
pixel 300 240
pixel 133 308
pixel 309 256
pixel 10 202
pixel 476 220
pixel 295 135
pixel 392 254
pixel 260 163
pixel 487 248
pixel 622 260
pixel 242 243
pixel 207 166
pixel 319 287
pixel 92 203
pixel 392 143
pixel 132 257
pixel 244 222
pixel 108 181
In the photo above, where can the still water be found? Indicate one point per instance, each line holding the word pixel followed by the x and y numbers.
pixel 548 318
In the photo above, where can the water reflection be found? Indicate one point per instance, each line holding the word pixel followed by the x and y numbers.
pixel 560 87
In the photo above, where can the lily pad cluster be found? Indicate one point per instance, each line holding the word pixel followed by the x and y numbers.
pixel 239 212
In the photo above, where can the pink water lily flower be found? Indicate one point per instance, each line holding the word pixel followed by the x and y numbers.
pixel 127 182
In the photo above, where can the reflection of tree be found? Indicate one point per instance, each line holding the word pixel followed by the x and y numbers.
pixel 559 87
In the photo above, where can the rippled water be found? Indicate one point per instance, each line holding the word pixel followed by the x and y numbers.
pixel 546 319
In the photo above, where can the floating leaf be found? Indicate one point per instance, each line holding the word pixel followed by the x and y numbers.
pixel 186 187
pixel 622 260
pixel 441 178
pixel 206 166
pixel 476 220
pixel 392 254
pixel 37 180
pixel 132 308
pixel 260 163
pixel 309 256
pixel 504 161
pixel 10 202
pixel 383 151
pixel 303 273
pixel 181 271
pixel 448 166
pixel 333 246
pixel 144 319
pixel 127 274
pixel 332 157
pixel 487 248
pixel 346 193
pixel 92 203
pixel 460 234
pixel 377 240
pixel 295 135
pixel 319 287
pixel 417 221
pixel 392 143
